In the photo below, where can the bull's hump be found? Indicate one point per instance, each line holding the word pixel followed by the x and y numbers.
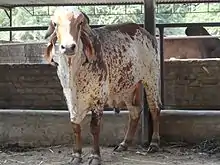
pixel 125 28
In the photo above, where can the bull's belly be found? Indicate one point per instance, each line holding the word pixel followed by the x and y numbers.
pixel 125 95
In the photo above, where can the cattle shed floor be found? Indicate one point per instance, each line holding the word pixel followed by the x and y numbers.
pixel 172 154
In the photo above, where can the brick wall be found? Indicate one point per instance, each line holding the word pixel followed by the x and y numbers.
pixel 192 83
pixel 188 83
pixel 30 86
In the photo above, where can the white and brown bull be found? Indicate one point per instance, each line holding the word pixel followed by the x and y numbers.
pixel 104 67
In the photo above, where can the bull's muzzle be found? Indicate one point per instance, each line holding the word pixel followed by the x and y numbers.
pixel 68 49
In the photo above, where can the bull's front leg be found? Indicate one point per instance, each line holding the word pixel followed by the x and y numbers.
pixel 77 149
pixel 75 121
pixel 95 158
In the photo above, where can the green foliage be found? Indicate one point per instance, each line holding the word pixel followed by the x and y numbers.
pixel 99 15
pixel 4 21
pixel 212 16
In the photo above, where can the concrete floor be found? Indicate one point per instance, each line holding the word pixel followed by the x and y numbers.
pixel 60 155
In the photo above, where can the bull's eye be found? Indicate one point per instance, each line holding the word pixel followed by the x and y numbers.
pixel 54 24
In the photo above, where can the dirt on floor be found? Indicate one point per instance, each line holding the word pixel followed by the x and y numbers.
pixel 172 154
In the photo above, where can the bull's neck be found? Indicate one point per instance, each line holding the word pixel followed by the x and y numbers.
pixel 79 60
pixel 74 64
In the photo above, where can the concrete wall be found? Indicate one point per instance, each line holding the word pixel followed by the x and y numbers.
pixel 184 47
pixel 46 128
pixel 18 53
pixel 181 48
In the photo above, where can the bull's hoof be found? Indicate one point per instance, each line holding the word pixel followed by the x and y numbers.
pixel 120 148
pixel 153 148
pixel 76 159
pixel 94 160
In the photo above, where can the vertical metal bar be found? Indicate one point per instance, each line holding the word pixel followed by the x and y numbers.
pixel 9 14
pixel 149 16
pixel 48 10
pixel 10 17
pixel 149 25
pixel 161 31
pixel 141 9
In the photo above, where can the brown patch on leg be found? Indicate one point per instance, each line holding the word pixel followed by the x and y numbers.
pixel 95 158
pixel 77 149
pixel 136 95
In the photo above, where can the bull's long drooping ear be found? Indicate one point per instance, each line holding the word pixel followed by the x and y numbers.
pixel 50 30
pixel 48 55
pixel 88 48
pixel 86 36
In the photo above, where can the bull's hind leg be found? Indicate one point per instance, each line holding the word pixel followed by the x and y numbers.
pixel 154 106
pixel 95 158
pixel 134 116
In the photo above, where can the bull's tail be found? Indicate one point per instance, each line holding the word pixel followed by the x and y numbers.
pixel 148 115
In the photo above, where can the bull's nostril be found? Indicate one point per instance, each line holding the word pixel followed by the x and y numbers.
pixel 62 47
pixel 73 46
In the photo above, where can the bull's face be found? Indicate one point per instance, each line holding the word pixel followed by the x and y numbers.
pixel 72 31
pixel 67 26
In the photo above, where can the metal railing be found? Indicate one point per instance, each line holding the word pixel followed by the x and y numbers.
pixel 170 25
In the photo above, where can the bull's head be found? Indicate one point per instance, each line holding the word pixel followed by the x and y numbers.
pixel 196 31
pixel 71 29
